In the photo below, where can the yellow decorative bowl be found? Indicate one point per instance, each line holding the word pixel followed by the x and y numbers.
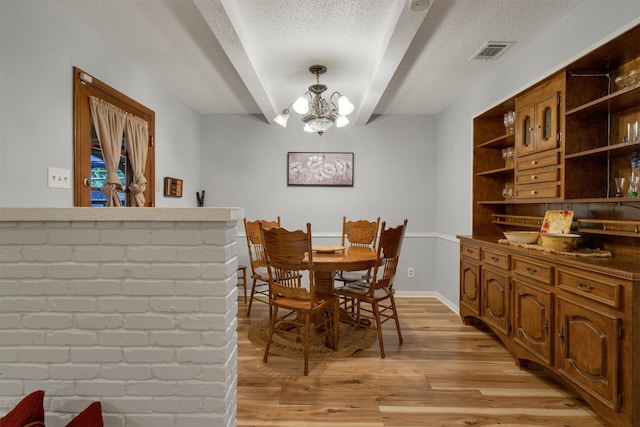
pixel 522 236
pixel 559 242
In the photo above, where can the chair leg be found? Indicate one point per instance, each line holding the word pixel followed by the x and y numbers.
pixel 336 325
pixel 376 311
pixel 253 291
pixel 395 317
pixel 307 335
pixel 272 324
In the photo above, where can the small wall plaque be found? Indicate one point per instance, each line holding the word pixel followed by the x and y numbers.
pixel 172 187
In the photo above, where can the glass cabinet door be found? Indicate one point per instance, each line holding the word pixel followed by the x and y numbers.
pixel 547 123
pixel 525 130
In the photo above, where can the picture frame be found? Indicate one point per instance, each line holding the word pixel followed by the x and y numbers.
pixel 172 187
pixel 333 169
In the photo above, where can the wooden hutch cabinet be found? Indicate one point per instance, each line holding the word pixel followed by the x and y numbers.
pixel 579 317
pixel 539 134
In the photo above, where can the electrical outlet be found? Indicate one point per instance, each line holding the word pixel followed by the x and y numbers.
pixel 58 178
pixel 411 272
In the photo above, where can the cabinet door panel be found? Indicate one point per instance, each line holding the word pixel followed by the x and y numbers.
pixel 588 348
pixel 525 130
pixel 470 286
pixel 547 123
pixel 495 299
pixel 533 320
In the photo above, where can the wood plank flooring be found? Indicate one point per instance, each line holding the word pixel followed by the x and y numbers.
pixel 444 374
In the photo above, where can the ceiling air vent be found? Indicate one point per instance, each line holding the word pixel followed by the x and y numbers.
pixel 491 50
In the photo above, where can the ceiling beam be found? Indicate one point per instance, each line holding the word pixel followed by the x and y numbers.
pixel 395 45
pixel 223 17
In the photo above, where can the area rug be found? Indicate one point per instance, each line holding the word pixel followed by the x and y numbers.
pixel 351 340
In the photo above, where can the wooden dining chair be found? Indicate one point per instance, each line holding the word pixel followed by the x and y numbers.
pixel 259 275
pixel 361 233
pixel 373 299
pixel 293 307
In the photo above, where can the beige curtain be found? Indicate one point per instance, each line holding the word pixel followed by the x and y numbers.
pixel 137 133
pixel 109 123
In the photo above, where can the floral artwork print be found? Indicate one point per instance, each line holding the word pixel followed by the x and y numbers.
pixel 335 169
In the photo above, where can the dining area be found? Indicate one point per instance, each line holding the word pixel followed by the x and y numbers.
pixel 329 299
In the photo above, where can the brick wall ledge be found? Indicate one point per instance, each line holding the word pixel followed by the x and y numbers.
pixel 121 214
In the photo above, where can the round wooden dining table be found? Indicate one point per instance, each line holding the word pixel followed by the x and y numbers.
pixel 329 259
pixel 327 262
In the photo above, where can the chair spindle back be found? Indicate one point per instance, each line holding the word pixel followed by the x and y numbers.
pixel 389 247
pixel 288 255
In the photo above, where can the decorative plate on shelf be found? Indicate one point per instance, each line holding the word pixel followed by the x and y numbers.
pixel 557 222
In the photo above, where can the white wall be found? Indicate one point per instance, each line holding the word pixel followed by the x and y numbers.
pixel 394 167
pixel 590 24
pixel 39 45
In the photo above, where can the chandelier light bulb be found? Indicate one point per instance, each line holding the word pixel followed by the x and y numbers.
pixel 341 121
pixel 307 128
pixel 301 105
pixel 282 118
pixel 345 107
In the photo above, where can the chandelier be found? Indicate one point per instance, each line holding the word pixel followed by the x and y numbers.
pixel 318 114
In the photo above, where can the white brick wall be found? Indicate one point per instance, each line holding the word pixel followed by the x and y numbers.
pixel 139 314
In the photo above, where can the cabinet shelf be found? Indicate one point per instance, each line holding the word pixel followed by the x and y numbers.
pixel 534 222
pixel 519 202
pixel 614 200
pixel 500 171
pixel 618 150
pixel 502 141
pixel 610 227
pixel 621 100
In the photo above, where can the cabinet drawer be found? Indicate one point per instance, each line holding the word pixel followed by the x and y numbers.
pixel 537 191
pixel 497 259
pixel 547 158
pixel 533 270
pixel 470 251
pixel 533 177
pixel 595 287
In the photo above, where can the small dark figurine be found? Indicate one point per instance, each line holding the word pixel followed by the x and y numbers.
pixel 200 198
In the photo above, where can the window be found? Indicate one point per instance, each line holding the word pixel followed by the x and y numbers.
pixel 89 165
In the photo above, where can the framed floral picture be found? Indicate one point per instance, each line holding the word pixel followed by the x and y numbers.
pixel 320 169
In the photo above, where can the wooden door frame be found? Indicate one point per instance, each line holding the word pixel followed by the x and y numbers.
pixel 85 85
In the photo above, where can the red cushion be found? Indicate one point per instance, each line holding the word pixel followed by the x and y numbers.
pixel 90 417
pixel 28 411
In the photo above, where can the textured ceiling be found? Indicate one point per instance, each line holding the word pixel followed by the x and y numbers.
pixel 252 56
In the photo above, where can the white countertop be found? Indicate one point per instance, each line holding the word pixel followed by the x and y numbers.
pixel 121 214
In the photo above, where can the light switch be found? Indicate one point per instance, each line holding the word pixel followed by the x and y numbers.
pixel 58 178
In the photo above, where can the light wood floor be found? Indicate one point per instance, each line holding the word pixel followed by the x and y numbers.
pixel 444 374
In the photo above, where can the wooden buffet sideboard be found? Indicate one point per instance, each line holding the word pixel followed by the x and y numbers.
pixel 577 317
